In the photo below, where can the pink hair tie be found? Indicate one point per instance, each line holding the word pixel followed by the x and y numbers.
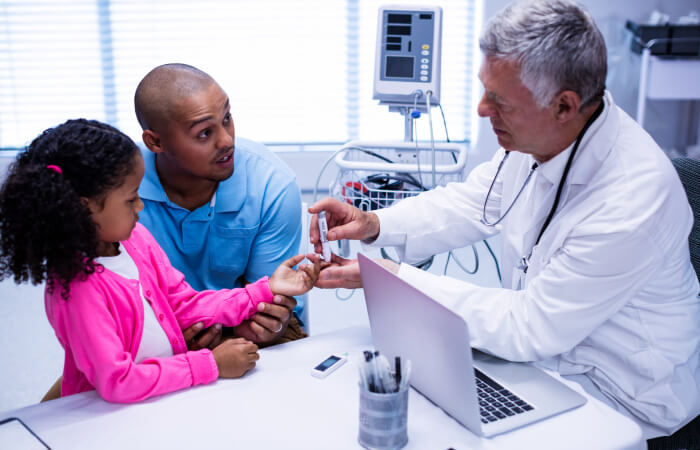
pixel 54 168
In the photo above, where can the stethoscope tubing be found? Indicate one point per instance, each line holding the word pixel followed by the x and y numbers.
pixel 484 220
pixel 524 261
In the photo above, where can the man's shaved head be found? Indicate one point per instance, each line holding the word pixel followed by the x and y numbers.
pixel 162 89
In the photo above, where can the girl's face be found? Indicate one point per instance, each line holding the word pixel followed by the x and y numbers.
pixel 116 218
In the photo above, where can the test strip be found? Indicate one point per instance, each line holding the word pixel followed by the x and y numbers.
pixel 323 230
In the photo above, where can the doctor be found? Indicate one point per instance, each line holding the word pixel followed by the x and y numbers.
pixel 593 219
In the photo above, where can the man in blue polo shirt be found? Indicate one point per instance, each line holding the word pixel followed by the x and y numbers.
pixel 219 226
pixel 226 210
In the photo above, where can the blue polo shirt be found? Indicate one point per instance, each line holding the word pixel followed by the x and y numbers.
pixel 254 225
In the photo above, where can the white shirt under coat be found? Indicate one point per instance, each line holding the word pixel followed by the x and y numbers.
pixel 610 291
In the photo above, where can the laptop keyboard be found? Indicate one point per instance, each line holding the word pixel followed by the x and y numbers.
pixel 495 401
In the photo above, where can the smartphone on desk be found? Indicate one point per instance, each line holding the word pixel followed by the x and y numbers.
pixel 16 434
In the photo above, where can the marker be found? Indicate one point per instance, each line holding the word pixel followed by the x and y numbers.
pixel 323 229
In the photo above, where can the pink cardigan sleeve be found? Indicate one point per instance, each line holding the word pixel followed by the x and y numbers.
pixel 88 328
pixel 93 328
pixel 229 307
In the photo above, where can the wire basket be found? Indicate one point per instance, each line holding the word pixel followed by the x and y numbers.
pixel 374 175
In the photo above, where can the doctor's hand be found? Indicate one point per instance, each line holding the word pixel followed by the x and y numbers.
pixel 344 222
pixel 345 273
pixel 268 325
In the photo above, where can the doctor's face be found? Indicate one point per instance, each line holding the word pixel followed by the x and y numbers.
pixel 518 121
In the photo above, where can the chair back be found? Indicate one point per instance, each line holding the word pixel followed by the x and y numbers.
pixel 689 173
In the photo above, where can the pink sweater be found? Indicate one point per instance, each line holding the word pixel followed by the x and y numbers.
pixel 101 323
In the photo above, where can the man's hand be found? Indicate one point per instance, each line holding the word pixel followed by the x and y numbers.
pixel 344 222
pixel 345 273
pixel 209 339
pixel 268 325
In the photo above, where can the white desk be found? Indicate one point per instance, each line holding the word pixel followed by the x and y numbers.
pixel 279 405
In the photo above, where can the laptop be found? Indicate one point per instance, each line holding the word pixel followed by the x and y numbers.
pixel 486 394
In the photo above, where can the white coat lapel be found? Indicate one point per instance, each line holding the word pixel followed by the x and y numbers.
pixel 596 144
pixel 595 147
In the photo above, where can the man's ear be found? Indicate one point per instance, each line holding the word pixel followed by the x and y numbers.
pixel 152 141
pixel 566 106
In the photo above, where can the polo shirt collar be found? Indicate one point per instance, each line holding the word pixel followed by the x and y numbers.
pixel 150 188
pixel 230 195
pixel 232 192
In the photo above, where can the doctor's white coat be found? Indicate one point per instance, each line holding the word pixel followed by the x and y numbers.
pixel 610 291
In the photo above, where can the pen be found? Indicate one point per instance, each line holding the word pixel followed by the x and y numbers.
pixel 370 372
pixel 378 385
pixel 397 371
pixel 378 371
pixel 323 230
pixel 363 377
pixel 407 374
pixel 387 379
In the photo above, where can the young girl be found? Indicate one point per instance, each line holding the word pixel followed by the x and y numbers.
pixel 68 215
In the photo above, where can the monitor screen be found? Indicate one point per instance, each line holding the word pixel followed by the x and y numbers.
pixel 399 66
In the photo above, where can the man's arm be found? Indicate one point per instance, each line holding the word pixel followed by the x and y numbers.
pixel 278 240
pixel 279 234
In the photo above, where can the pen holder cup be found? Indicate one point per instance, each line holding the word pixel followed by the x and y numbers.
pixel 383 419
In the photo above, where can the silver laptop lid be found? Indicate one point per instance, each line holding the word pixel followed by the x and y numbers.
pixel 404 321
pixel 410 324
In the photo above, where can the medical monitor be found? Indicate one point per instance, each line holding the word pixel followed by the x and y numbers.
pixel 408 54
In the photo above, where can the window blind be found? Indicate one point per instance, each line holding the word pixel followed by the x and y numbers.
pixel 295 72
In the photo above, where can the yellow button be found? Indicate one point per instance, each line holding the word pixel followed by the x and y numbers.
pixel 425 46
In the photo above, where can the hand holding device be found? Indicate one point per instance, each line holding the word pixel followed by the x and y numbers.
pixel 344 222
pixel 323 231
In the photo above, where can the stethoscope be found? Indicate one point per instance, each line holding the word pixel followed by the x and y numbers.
pixel 524 261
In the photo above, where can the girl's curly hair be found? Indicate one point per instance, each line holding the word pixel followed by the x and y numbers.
pixel 46 230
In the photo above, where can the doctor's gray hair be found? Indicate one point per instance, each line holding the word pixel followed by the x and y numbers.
pixel 557 45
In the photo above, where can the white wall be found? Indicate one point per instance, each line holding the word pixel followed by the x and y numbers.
pixel 667 122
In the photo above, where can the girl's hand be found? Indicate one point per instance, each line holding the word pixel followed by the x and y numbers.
pixel 234 357
pixel 290 282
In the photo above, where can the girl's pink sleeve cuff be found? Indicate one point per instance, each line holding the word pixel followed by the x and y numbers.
pixel 260 291
pixel 202 366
